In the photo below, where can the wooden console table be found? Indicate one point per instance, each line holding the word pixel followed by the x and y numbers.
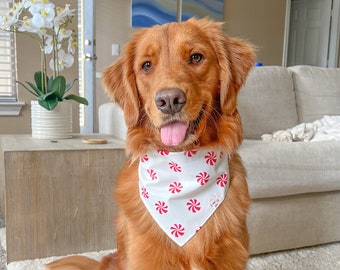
pixel 56 197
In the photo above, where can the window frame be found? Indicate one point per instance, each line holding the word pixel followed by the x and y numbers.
pixel 9 104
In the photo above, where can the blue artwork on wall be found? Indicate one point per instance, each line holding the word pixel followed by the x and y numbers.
pixel 202 8
pixel 146 13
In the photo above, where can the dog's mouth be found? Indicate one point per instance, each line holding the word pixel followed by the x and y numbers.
pixel 176 132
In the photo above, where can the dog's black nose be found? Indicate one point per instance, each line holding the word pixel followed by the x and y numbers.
pixel 170 100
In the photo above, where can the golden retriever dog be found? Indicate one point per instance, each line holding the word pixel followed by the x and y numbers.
pixel 177 85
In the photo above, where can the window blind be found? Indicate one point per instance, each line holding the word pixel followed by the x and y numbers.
pixel 7 60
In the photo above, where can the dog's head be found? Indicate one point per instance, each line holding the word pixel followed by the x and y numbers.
pixel 177 85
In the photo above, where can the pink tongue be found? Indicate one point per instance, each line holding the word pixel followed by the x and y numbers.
pixel 174 133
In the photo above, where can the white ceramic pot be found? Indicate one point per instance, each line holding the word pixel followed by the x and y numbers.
pixel 53 125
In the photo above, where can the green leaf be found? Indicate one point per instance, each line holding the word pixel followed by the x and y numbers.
pixel 70 85
pixel 35 88
pixel 40 79
pixel 77 99
pixel 48 95
pixel 49 83
pixel 29 90
pixel 48 104
pixel 59 86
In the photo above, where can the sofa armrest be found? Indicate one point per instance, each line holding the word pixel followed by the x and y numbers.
pixel 111 120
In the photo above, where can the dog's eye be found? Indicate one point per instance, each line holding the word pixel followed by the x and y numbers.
pixel 146 67
pixel 196 58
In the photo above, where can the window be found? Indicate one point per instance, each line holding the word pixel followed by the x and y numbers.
pixel 7 61
pixel 8 90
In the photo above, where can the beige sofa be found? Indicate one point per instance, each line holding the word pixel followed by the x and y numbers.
pixel 295 187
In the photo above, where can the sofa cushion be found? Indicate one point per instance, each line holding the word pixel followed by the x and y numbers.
pixel 267 101
pixel 283 168
pixel 317 92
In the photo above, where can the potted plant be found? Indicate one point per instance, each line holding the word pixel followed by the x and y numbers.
pixel 48 26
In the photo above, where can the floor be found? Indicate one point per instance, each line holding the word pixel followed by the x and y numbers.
pixel 2 251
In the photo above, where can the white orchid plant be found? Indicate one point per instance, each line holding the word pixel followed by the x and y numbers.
pixel 47 25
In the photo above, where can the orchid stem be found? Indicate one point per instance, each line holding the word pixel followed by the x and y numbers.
pixel 43 68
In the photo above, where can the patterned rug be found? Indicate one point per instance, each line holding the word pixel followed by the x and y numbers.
pixel 323 257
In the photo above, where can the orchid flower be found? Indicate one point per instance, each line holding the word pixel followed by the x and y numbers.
pixel 43 15
pixel 64 60
pixel 47 25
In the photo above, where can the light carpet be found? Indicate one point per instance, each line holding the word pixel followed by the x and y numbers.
pixel 323 257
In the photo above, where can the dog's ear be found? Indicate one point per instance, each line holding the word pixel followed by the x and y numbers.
pixel 237 59
pixel 240 59
pixel 120 83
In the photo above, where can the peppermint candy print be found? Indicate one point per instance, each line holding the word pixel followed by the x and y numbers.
pixel 198 229
pixel 161 207
pixel 163 152
pixel 152 174
pixel 175 187
pixel 175 167
pixel 202 178
pixel 210 158
pixel 194 205
pixel 144 158
pixel 181 190
pixel 144 193
pixel 190 153
pixel 177 230
pixel 222 180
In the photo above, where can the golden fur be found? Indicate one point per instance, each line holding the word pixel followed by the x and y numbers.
pixel 199 59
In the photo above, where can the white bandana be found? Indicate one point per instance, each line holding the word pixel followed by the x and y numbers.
pixel 181 190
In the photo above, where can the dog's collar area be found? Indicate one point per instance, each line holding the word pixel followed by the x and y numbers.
pixel 181 190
